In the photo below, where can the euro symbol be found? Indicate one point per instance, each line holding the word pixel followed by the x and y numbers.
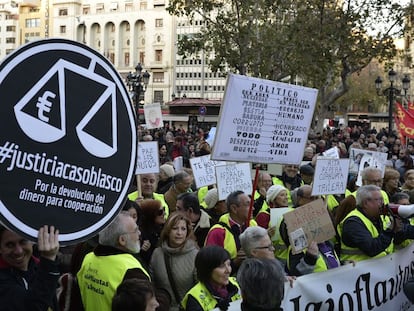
pixel 44 105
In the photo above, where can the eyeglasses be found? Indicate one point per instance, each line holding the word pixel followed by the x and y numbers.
pixel 376 199
pixel 160 212
pixel 270 247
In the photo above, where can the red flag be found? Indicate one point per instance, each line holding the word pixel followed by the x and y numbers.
pixel 405 123
pixel 400 133
pixel 410 107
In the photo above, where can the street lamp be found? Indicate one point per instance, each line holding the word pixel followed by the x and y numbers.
pixel 137 83
pixel 391 92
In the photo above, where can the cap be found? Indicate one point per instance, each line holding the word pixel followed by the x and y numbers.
pixel 307 170
pixel 167 169
pixel 273 192
pixel 211 198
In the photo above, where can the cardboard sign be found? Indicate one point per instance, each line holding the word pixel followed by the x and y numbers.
pixel 203 170
pixel 178 163
pixel 331 176
pixel 232 178
pixel 263 121
pixel 153 116
pixel 147 159
pixel 61 162
pixel 307 223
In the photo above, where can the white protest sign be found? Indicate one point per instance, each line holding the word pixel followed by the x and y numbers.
pixel 379 159
pixel 203 170
pixel 153 116
pixel 232 178
pixel 178 163
pixel 263 121
pixel 147 160
pixel 332 153
pixel 361 158
pixel 276 216
pixel 331 176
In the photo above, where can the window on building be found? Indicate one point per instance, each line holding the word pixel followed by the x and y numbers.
pixel 126 59
pixel 127 27
pixel 158 77
pixel 158 55
pixel 142 57
pixel 143 5
pixel 10 28
pixel 63 12
pixel 11 40
pixel 113 6
pixel 159 97
pixel 129 7
pixel 112 57
pixel 99 8
pixel 62 29
pixel 86 10
pixel 112 28
pixel 32 22
pixel 158 22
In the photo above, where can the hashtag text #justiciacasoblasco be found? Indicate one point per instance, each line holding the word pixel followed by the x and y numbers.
pixel 40 163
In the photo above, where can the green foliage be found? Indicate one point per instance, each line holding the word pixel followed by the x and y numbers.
pixel 321 41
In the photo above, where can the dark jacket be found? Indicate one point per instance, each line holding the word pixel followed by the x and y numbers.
pixel 34 289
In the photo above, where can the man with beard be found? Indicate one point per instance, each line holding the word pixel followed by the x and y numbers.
pixel 111 262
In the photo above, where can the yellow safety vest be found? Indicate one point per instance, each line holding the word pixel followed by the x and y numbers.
pixel 204 296
pixel 156 196
pixel 351 253
pixel 100 276
pixel 201 194
pixel 229 242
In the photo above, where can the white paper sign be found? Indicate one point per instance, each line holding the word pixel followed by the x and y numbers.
pixel 148 159
pixel 332 153
pixel 203 170
pixel 232 178
pixel 153 116
pixel 276 216
pixel 331 176
pixel 178 163
pixel 263 121
pixel 361 158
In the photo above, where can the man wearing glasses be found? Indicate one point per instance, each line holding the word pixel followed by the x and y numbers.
pixel 365 233
pixel 111 262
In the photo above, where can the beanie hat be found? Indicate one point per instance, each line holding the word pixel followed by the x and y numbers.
pixel 167 169
pixel 211 198
pixel 273 192
pixel 307 170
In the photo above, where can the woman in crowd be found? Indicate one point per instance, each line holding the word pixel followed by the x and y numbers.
pixel 172 263
pixel 163 153
pixel 391 181
pixel 276 197
pixel 133 209
pixel 408 181
pixel 215 287
pixel 152 222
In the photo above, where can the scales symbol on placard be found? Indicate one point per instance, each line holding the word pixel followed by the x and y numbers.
pixel 42 121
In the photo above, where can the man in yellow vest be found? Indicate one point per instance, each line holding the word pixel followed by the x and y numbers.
pixel 226 233
pixel 111 262
pixel 364 232
pixel 148 186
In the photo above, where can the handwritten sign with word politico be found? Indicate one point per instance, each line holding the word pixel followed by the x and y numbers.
pixel 263 121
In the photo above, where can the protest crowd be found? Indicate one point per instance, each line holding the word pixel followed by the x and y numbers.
pixel 178 247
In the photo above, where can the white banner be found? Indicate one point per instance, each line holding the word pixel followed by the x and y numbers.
pixel 375 284
pixel 232 178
